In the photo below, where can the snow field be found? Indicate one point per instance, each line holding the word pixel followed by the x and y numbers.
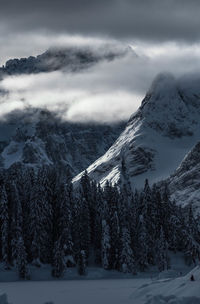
pixel 180 290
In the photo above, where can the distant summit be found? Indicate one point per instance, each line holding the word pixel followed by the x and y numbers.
pixel 69 59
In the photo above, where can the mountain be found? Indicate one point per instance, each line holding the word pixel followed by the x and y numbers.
pixel 184 183
pixel 69 59
pixel 36 137
pixel 157 137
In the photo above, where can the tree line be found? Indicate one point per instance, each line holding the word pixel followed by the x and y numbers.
pixel 43 219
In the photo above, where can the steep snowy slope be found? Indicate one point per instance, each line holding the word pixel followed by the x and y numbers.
pixel 184 183
pixel 157 136
pixel 37 137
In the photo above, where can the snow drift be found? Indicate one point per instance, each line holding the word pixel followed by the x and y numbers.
pixel 172 291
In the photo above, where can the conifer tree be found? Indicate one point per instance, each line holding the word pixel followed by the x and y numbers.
pixel 142 243
pixel 21 259
pixel 85 213
pixel 65 219
pixel 4 217
pixel 58 260
pixel 105 247
pixel 85 187
pixel 150 222
pixel 84 227
pixel 127 263
pixel 16 222
pixel 82 262
pixel 162 259
pixel 97 236
pixel 36 228
pixel 133 219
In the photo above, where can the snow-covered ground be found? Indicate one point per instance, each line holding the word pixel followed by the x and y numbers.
pixel 121 291
pixel 104 287
pixel 180 290
pixel 73 292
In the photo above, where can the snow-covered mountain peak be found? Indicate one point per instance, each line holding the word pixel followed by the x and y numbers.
pixel 157 136
pixel 162 84
pixel 169 108
pixel 162 93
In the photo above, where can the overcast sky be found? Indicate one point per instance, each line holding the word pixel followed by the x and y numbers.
pixel 164 33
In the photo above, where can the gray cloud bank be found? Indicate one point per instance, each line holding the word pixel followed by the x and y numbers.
pixel 109 91
pixel 153 20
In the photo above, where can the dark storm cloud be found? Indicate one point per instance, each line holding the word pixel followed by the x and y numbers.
pixel 140 19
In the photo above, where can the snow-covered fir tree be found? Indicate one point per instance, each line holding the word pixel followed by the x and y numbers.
pixel 21 259
pixel 58 266
pixel 162 258
pixel 127 261
pixel 82 262
pixel 105 246
pixel 142 244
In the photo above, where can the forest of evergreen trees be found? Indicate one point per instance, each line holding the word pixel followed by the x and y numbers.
pixel 44 220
